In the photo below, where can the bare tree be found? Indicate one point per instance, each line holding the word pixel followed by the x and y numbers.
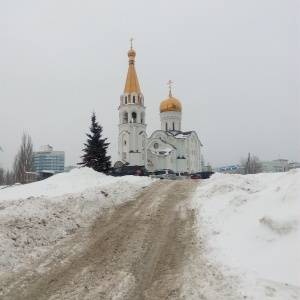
pixel 1 176
pixel 251 165
pixel 24 160
pixel 9 178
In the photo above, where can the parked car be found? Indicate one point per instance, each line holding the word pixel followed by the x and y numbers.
pixel 165 174
pixel 182 175
pixel 205 175
pixel 129 170
pixel 151 174
pixel 196 176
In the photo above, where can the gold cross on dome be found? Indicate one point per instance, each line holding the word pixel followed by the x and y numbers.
pixel 131 40
pixel 169 83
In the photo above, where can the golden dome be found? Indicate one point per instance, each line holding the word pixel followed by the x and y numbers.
pixel 170 104
pixel 131 52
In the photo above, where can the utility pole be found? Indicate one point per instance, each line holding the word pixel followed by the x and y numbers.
pixel 248 165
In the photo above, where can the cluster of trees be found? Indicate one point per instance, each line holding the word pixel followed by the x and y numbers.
pixel 7 177
pixel 95 156
pixel 251 165
pixel 23 162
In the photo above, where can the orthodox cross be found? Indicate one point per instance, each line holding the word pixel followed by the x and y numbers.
pixel 131 40
pixel 169 83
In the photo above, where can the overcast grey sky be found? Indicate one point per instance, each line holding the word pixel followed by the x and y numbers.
pixel 234 63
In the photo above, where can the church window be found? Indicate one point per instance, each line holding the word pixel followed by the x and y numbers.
pixel 173 126
pixel 133 117
pixel 125 143
pixel 155 145
pixel 133 99
pixel 125 99
pixel 125 120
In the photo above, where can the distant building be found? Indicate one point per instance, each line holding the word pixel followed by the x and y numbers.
pixel 30 177
pixel 48 160
pixel 233 169
pixel 274 166
pixel 293 165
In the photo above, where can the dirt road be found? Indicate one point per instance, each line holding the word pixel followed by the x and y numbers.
pixel 135 251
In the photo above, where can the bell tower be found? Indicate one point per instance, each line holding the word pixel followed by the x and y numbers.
pixel 132 141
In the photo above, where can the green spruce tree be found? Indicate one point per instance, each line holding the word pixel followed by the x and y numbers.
pixel 96 149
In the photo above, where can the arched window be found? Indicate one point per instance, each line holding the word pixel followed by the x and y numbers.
pixel 133 99
pixel 133 117
pixel 125 118
pixel 125 99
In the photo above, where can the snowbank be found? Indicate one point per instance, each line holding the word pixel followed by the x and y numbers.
pixel 37 215
pixel 251 223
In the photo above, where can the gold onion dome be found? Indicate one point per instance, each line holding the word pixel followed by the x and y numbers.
pixel 131 52
pixel 170 104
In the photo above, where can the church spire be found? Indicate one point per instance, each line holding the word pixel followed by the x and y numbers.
pixel 132 83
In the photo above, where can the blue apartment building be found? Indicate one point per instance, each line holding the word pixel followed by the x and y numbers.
pixel 48 161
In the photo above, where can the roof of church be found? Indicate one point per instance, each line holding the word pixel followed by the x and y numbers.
pixel 170 104
pixel 179 134
pixel 182 135
pixel 132 83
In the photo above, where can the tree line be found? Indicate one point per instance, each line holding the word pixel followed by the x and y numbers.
pixel 23 162
pixel 95 155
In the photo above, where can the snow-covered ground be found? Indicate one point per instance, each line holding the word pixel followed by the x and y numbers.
pixel 250 222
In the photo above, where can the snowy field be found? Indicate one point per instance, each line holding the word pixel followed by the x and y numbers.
pixel 250 222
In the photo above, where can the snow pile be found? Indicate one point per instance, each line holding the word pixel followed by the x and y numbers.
pixel 251 223
pixel 248 226
pixel 35 216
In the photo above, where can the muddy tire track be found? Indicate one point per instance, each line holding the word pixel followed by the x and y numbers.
pixel 135 251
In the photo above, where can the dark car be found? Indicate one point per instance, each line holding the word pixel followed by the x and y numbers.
pixel 205 175
pixel 195 176
pixel 129 170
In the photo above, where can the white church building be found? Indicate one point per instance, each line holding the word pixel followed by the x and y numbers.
pixel 167 148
